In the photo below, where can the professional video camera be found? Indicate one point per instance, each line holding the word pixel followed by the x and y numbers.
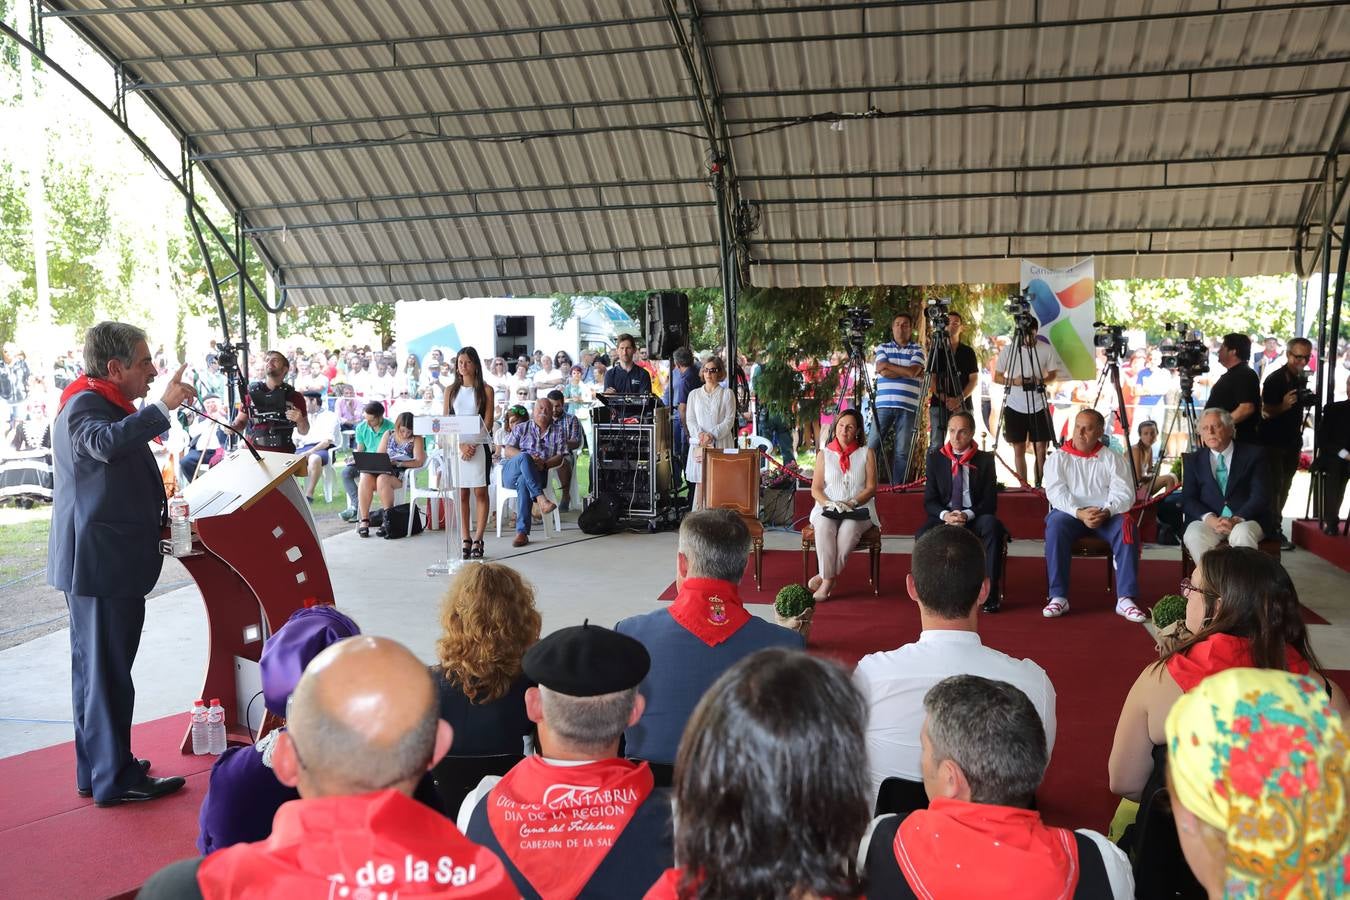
pixel 1111 339
pixel 1183 350
pixel 853 325
pixel 938 311
pixel 227 357
pixel 1019 307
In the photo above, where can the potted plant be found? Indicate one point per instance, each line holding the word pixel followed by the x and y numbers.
pixel 1169 617
pixel 793 607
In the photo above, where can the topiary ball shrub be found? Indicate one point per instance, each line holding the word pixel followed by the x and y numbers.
pixel 793 600
pixel 1170 608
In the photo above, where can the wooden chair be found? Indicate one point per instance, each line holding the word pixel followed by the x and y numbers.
pixel 870 541
pixel 1270 547
pixel 731 481
pixel 1093 547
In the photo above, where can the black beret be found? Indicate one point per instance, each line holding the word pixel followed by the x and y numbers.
pixel 587 661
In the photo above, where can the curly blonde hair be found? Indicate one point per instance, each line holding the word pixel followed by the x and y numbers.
pixel 488 621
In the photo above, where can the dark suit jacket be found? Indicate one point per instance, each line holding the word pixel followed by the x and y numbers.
pixel 1248 490
pixel 107 499
pixel 1335 431
pixel 937 490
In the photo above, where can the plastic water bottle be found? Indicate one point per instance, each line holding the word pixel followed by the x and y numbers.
pixel 180 529
pixel 215 728
pixel 199 727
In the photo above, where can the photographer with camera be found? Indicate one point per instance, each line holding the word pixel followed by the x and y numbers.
pixel 1238 390
pixel 1285 400
pixel 1024 369
pixel 956 372
pixel 1333 460
pixel 271 409
pixel 899 364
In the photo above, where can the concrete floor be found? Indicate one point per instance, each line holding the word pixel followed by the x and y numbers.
pixel 383 585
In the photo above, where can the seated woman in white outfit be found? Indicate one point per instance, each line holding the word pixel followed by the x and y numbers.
pixel 470 395
pixel 709 414
pixel 844 487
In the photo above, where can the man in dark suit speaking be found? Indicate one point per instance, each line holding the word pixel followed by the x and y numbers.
pixel 1225 494
pixel 103 550
pixel 961 489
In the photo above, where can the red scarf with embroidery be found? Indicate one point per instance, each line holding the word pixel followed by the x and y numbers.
pixel 959 849
pixel 958 461
pixel 385 842
pixel 844 453
pixel 105 389
pixel 1220 652
pixel 557 823
pixel 709 609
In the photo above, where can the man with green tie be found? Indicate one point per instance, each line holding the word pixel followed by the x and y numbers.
pixel 1224 489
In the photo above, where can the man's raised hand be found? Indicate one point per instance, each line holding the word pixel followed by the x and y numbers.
pixel 178 393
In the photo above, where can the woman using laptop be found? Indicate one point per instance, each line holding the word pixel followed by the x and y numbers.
pixel 405 451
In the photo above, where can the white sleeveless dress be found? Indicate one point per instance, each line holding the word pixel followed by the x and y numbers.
pixel 473 472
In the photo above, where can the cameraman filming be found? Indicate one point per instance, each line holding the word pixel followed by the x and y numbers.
pixel 1333 460
pixel 1025 370
pixel 948 396
pixel 272 408
pixel 899 364
pixel 1285 398
pixel 1238 390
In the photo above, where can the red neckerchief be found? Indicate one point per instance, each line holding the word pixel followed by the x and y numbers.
pixel 844 453
pixel 105 389
pixel 667 886
pixel 960 849
pixel 557 823
pixel 709 609
pixel 1220 652
pixel 1069 448
pixel 958 461
pixel 384 841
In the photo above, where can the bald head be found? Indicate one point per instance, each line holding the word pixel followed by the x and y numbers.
pixel 364 717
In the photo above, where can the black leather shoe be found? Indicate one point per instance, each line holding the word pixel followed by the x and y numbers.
pixel 1287 545
pixel 149 789
pixel 86 792
pixel 991 605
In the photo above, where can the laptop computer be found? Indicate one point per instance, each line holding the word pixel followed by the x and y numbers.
pixel 374 463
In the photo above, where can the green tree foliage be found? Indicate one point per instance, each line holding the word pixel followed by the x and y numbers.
pixel 1217 306
pixel 707 317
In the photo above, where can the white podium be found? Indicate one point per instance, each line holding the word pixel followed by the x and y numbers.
pixel 450 432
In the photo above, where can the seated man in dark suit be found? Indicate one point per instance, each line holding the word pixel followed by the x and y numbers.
pixel 1333 460
pixel 962 490
pixel 1225 495
pixel 577 820
pixel 699 636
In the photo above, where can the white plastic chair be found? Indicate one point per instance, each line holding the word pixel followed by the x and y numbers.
pixel 763 444
pixel 409 492
pixel 573 489
pixel 432 492
pixel 508 495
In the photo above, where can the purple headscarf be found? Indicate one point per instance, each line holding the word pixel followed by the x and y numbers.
pixel 286 653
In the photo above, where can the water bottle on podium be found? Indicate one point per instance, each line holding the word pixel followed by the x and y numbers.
pixel 215 728
pixel 180 527
pixel 199 727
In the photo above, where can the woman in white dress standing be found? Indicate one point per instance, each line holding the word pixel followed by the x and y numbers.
pixel 843 485
pixel 470 395
pixel 710 412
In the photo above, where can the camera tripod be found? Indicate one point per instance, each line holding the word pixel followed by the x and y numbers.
pixel 1111 373
pixel 939 363
pixel 1023 363
pixel 1185 415
pixel 861 384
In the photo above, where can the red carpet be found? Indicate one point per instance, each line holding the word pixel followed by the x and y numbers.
pixel 1021 511
pixel 1334 549
pixel 55 844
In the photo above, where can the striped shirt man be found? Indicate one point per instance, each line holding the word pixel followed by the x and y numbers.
pixel 899 392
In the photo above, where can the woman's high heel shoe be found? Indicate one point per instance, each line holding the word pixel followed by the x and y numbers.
pixel 364 528
pixel 468 548
pixel 478 549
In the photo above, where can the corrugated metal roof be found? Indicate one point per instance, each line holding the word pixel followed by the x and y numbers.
pixel 384 149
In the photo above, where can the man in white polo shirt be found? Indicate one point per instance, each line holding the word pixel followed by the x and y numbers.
pixel 947 582
pixel 899 365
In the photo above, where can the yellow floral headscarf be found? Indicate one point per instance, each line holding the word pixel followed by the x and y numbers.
pixel 1260 755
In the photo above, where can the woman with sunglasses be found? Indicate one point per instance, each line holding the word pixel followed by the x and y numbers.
pixel 709 414
pixel 1242 611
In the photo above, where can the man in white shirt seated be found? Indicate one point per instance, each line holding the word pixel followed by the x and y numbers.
pixel 1226 496
pixel 318 442
pixel 204 438
pixel 1090 490
pixel 947 581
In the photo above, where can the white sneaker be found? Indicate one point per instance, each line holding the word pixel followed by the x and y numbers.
pixel 1125 607
pixel 1057 607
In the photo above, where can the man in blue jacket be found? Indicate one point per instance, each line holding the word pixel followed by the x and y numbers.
pixel 108 507
pixel 1225 495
